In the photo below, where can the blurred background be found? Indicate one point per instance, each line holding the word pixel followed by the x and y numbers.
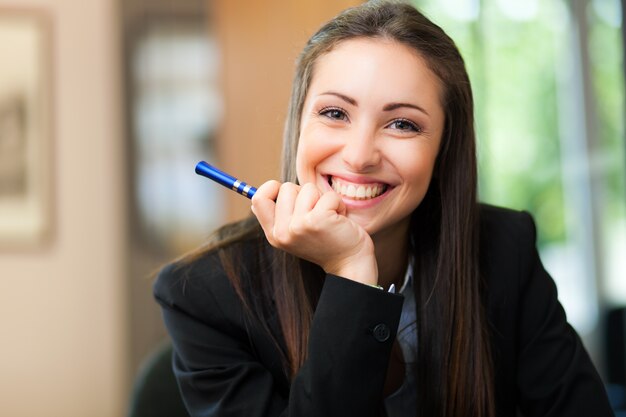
pixel 106 106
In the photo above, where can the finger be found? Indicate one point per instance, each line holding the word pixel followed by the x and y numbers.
pixel 263 205
pixel 307 198
pixel 331 201
pixel 285 202
pixel 267 190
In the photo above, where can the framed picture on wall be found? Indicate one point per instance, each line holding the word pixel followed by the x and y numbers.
pixel 25 128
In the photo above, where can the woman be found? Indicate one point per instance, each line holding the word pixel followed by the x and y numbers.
pixel 370 282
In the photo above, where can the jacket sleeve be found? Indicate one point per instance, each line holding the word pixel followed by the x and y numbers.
pixel 221 373
pixel 555 374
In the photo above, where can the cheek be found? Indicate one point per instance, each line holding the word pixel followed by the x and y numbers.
pixel 417 165
pixel 300 168
pixel 305 161
pixel 312 150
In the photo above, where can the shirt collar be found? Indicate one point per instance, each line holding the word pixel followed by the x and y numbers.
pixel 408 276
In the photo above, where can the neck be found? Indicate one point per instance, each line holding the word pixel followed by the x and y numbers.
pixel 392 257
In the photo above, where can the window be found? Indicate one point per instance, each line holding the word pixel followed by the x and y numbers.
pixel 549 96
pixel 176 110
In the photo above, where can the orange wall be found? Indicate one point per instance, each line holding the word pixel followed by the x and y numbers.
pixel 260 41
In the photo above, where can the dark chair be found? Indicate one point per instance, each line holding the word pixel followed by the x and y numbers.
pixel 155 391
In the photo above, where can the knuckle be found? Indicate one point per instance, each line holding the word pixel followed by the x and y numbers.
pixel 266 191
pixel 298 228
pixel 309 187
pixel 287 186
pixel 312 222
pixel 273 184
pixel 282 236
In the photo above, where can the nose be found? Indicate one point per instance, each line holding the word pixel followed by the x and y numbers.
pixel 361 151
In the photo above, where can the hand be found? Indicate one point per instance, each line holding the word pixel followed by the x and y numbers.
pixel 313 225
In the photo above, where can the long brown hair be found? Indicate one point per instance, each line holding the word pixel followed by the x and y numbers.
pixel 455 369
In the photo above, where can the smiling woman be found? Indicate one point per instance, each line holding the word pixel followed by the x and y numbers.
pixel 283 313
pixel 359 134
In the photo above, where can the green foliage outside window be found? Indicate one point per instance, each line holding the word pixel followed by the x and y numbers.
pixel 514 64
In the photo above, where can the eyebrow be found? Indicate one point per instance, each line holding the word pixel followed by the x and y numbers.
pixel 393 106
pixel 387 107
pixel 341 96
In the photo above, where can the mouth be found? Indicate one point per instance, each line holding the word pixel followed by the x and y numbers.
pixel 357 191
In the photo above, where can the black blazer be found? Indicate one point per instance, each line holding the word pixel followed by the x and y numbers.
pixel 228 366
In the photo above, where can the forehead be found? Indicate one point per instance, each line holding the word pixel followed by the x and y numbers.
pixel 361 65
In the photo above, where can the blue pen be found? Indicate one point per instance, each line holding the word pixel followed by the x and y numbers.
pixel 209 171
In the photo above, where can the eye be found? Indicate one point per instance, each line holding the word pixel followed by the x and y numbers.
pixel 334 113
pixel 405 125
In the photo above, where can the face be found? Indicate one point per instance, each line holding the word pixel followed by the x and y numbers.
pixel 371 127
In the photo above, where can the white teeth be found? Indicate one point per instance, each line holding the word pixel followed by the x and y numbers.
pixel 357 192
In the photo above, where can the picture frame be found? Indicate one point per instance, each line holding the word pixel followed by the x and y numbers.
pixel 25 127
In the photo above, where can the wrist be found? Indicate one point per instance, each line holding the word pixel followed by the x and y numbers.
pixel 363 269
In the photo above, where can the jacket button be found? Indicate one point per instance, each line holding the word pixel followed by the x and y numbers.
pixel 381 332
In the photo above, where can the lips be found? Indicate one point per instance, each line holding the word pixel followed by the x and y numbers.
pixel 357 191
